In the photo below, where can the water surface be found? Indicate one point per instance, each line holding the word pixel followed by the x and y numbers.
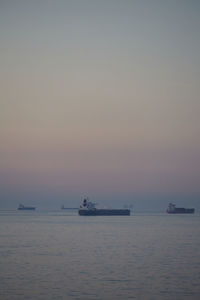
pixel 60 255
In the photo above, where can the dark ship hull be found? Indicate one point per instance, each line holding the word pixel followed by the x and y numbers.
pixel 69 208
pixel 104 212
pixel 181 210
pixel 22 207
pixel 172 209
pixel 26 208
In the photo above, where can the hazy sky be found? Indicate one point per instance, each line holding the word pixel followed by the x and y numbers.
pixel 100 98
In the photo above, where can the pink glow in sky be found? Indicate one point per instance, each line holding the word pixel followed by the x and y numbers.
pixel 99 98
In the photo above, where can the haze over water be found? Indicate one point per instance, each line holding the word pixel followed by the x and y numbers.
pixel 100 99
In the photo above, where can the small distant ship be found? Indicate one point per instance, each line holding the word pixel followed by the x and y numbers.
pixel 172 209
pixel 63 207
pixel 22 207
pixel 88 209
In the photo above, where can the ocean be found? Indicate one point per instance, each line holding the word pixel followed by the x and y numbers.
pixel 60 255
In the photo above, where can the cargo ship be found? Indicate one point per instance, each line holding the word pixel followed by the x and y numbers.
pixel 22 207
pixel 88 209
pixel 172 209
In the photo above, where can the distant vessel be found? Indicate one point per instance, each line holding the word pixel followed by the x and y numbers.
pixel 22 207
pixel 63 207
pixel 88 209
pixel 172 209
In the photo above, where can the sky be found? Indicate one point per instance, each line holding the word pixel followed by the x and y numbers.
pixel 100 99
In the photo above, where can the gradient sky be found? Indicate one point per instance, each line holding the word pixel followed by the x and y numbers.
pixel 100 98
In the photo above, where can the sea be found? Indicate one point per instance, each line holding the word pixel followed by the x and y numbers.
pixel 61 255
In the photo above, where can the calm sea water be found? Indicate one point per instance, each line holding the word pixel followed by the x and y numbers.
pixel 60 255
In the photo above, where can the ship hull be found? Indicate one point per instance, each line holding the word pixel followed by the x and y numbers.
pixel 26 208
pixel 104 212
pixel 69 208
pixel 182 211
